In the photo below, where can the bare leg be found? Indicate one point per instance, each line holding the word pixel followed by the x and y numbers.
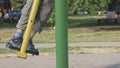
pixel 20 30
pixel 33 34
pixel 19 33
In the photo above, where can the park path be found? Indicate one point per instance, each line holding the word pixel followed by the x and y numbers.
pixel 75 61
pixel 51 45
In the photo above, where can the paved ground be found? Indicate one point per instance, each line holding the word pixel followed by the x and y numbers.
pixel 75 61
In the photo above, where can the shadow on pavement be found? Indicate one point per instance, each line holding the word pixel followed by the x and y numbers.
pixel 113 66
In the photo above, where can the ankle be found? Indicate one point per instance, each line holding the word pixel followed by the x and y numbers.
pixel 19 34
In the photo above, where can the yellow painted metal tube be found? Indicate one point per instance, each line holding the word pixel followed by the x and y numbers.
pixel 22 53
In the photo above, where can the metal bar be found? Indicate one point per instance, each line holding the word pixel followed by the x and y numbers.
pixel 35 6
pixel 61 34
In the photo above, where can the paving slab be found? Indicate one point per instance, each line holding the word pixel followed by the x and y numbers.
pixel 75 61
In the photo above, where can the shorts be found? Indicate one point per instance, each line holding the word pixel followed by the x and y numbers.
pixel 43 14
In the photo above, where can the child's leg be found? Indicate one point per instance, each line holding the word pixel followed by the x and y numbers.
pixel 16 41
pixel 44 13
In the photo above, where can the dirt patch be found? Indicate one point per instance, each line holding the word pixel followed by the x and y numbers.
pixel 7 30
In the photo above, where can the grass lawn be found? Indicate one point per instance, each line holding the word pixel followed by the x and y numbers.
pixel 71 50
pixel 74 35
pixel 83 21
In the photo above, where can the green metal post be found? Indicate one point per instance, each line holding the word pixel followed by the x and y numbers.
pixel 61 34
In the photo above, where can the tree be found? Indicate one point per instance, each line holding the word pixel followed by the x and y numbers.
pixel 91 6
pixel 17 4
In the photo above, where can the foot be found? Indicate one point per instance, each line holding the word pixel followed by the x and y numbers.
pixel 31 49
pixel 14 43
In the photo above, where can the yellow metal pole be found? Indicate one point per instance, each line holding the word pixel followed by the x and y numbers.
pixel 35 6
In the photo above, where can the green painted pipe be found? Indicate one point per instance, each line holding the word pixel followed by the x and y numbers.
pixel 61 34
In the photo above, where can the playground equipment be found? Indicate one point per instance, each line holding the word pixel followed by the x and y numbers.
pixel 61 32
pixel 23 50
